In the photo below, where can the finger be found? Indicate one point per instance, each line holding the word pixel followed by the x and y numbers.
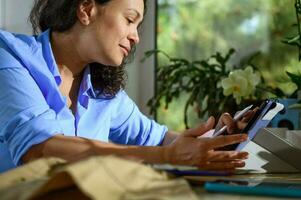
pixel 222 166
pixel 249 115
pixel 227 155
pixel 224 118
pixel 224 140
pixel 227 120
pixel 241 125
pixel 201 129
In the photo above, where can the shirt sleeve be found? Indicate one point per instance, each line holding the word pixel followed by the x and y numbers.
pixel 130 126
pixel 25 117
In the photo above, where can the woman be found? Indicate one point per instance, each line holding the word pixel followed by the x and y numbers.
pixel 62 93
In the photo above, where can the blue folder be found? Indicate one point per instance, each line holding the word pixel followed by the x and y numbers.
pixel 255 188
pixel 179 172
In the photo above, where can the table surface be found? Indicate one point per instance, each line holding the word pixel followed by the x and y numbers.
pixel 197 185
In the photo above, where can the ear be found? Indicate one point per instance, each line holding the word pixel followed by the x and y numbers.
pixel 86 11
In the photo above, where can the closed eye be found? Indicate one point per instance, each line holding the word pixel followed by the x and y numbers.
pixel 130 21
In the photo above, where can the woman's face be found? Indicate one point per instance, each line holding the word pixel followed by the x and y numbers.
pixel 112 31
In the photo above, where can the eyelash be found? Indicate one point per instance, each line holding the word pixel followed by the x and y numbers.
pixel 130 21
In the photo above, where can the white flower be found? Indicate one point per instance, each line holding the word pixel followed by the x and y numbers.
pixel 236 85
pixel 252 78
pixel 240 83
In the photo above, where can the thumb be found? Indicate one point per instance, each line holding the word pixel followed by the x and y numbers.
pixel 201 129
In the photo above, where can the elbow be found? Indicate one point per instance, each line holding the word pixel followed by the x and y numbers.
pixel 34 152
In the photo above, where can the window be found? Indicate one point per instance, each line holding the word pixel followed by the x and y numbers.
pixel 196 29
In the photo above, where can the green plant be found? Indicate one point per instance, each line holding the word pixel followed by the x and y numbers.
pixel 213 85
pixel 295 41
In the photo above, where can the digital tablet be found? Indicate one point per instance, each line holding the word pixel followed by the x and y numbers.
pixel 250 187
pixel 263 116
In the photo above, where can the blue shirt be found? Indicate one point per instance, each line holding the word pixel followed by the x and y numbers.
pixel 32 108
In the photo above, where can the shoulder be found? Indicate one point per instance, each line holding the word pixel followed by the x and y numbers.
pixel 118 100
pixel 12 46
pixel 21 39
pixel 121 95
pixel 122 98
pixel 7 58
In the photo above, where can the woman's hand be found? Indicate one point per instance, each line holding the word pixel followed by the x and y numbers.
pixel 188 149
pixel 235 126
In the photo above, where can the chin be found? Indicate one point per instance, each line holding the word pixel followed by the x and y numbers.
pixel 117 62
pixel 113 62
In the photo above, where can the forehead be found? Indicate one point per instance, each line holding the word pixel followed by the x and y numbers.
pixel 126 5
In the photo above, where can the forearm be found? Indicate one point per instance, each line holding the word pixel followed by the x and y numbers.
pixel 76 148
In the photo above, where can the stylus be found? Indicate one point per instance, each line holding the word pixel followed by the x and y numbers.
pixel 236 118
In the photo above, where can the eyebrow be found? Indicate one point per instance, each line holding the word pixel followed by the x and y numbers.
pixel 138 15
pixel 134 10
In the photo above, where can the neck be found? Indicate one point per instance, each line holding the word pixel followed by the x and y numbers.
pixel 66 54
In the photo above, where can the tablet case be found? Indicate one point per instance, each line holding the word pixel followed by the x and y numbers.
pixel 275 141
pixel 269 110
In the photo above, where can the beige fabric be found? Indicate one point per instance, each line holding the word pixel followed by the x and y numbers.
pixel 103 178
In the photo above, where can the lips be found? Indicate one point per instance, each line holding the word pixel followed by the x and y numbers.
pixel 125 49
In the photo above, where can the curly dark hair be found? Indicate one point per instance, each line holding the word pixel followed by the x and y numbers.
pixel 60 16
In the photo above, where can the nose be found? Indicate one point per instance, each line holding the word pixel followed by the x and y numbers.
pixel 134 36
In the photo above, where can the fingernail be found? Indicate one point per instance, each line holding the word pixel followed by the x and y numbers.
pixel 209 120
pixel 239 163
pixel 245 156
pixel 244 137
pixel 245 153
pixel 230 130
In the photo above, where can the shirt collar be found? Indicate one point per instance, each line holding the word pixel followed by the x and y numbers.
pixel 44 38
pixel 87 87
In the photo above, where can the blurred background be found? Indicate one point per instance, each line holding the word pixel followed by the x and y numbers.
pixel 196 29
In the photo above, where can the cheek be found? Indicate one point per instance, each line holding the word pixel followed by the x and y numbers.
pixel 114 36
pixel 117 28
pixel 105 37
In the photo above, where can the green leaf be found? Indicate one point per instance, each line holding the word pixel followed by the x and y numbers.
pixel 204 103
pixel 219 58
pixel 292 43
pixel 295 78
pixel 149 53
pixel 229 54
pixel 295 106
pixel 292 39
pixel 180 60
